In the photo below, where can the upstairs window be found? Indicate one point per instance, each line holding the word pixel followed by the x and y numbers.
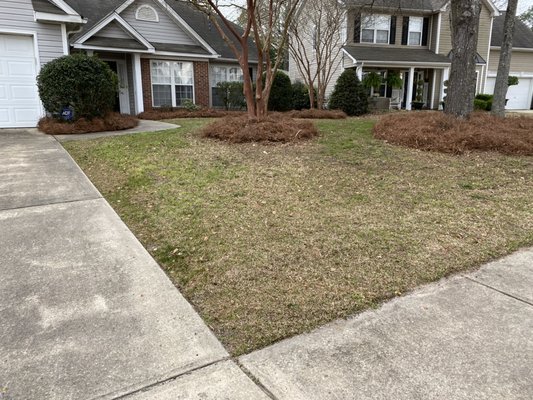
pixel 416 26
pixel 147 13
pixel 375 28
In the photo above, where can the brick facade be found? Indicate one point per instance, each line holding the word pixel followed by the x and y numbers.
pixel 147 84
pixel 201 83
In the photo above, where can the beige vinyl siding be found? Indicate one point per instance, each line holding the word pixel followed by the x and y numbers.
pixel 434 32
pixel 485 24
pixel 113 30
pixel 18 15
pixel 521 62
pixel 164 31
pixel 445 34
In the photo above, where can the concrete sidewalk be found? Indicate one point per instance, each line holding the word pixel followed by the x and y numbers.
pixel 86 313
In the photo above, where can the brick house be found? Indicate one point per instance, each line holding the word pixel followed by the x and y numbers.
pixel 164 51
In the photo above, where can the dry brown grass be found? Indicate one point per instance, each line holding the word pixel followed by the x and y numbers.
pixel 436 131
pixel 157 115
pixel 111 122
pixel 278 129
pixel 272 241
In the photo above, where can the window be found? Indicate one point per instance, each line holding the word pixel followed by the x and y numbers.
pixel 172 83
pixel 416 25
pixel 375 29
pixel 146 13
pixel 223 74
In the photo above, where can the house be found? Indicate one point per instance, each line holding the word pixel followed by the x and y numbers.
pixel 164 51
pixel 520 97
pixel 412 38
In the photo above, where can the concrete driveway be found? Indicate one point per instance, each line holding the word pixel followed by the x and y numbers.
pixel 85 311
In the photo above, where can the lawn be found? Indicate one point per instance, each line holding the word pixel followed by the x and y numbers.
pixel 271 241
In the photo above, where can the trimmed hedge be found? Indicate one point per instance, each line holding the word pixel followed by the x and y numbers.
pixel 86 84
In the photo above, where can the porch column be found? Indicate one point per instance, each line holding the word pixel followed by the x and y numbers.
pixel 359 71
pixel 410 84
pixel 445 77
pixel 138 84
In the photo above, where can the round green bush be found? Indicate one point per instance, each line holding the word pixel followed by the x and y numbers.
pixel 349 95
pixel 281 93
pixel 86 84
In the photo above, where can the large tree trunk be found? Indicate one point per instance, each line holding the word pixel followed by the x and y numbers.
pixel 500 89
pixel 462 83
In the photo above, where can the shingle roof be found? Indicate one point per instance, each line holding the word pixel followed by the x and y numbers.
pixel 523 35
pixel 46 6
pixel 395 54
pixel 96 10
pixel 420 5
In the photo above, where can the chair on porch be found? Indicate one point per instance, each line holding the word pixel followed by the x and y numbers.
pixel 396 99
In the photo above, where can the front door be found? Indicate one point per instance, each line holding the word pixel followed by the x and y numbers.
pixel 122 104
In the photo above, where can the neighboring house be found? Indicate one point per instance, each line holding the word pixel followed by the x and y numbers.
pixel 520 96
pixel 412 38
pixel 164 52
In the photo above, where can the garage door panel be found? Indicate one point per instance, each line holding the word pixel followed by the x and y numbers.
pixel 19 98
pixel 519 96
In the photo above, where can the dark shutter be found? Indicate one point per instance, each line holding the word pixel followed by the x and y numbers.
pixel 405 30
pixel 357 29
pixel 425 32
pixel 393 30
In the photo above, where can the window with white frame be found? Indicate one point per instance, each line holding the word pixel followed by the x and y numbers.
pixel 172 82
pixel 223 73
pixel 375 28
pixel 146 13
pixel 416 25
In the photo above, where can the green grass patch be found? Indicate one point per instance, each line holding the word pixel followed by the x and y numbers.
pixel 271 241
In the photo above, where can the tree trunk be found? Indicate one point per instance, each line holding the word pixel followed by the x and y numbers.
pixel 500 89
pixel 462 83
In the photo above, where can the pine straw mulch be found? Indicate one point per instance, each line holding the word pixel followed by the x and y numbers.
pixel 277 129
pixel 111 122
pixel 159 114
pixel 436 131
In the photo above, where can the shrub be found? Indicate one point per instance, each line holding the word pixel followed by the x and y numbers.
pixel 272 129
pixel 349 95
pixel 85 83
pixel 483 102
pixel 435 131
pixel 231 95
pixel 111 122
pixel 281 93
pixel 300 96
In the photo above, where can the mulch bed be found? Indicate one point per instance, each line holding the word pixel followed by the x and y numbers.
pixel 436 131
pixel 111 122
pixel 241 129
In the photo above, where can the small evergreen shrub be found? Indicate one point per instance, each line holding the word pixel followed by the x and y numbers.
pixel 231 95
pixel 84 83
pixel 300 96
pixel 281 93
pixel 349 95
pixel 483 102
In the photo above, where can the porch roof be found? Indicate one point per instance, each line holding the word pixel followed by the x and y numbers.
pixel 395 55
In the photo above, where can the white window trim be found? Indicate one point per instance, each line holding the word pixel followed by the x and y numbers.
pixel 144 19
pixel 212 82
pixel 376 30
pixel 421 32
pixel 172 82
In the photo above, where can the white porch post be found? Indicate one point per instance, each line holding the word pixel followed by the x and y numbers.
pixel 410 84
pixel 138 84
pixel 445 77
pixel 359 71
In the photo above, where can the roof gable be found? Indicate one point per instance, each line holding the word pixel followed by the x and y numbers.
pixel 523 35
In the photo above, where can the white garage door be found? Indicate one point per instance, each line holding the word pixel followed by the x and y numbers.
pixel 520 96
pixel 19 100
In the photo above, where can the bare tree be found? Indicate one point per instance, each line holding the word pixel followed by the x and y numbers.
pixel 315 44
pixel 465 15
pixel 264 20
pixel 504 66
